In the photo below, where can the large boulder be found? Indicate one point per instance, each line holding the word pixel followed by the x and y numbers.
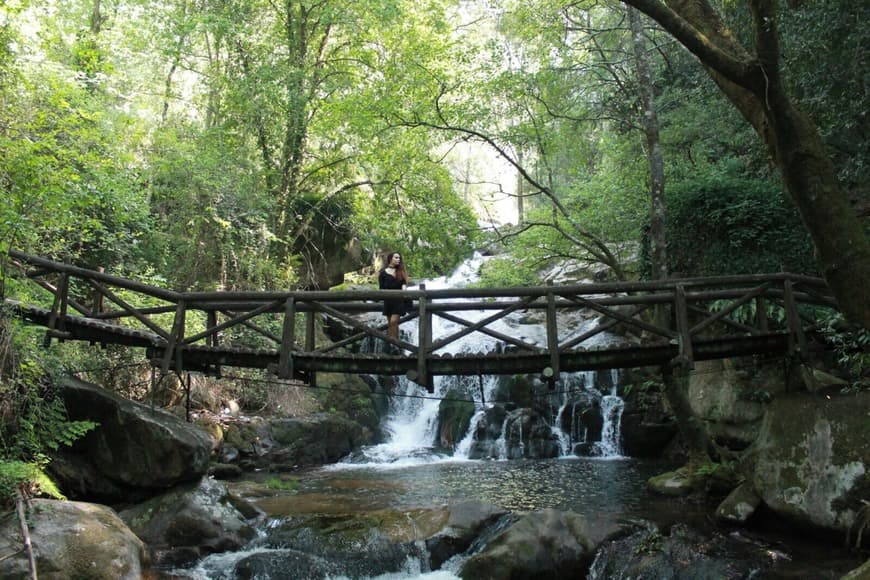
pixel 731 396
pixel 544 544
pixel 812 456
pixel 681 553
pixel 314 440
pixel 134 452
pixel 189 522
pixel 71 540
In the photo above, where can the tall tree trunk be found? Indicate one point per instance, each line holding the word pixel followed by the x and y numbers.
pixel 655 159
pixel 754 85
pixel 676 380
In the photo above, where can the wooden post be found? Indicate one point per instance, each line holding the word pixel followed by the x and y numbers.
pixel 424 343
pixel 214 339
pixel 552 335
pixel 761 314
pixel 309 342
pixel 175 337
pixel 685 358
pixel 58 309
pixel 187 398
pixel 288 338
pixel 796 339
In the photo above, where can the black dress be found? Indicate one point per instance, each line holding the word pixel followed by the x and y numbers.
pixel 392 305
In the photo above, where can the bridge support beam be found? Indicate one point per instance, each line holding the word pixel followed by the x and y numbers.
pixel 288 340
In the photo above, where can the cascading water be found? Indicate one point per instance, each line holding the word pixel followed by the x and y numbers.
pixel 412 420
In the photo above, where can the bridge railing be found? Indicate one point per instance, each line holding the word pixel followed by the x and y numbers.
pixel 685 319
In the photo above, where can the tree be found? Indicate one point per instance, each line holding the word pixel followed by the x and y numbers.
pixel 753 81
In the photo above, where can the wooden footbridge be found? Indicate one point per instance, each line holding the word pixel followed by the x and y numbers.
pixel 582 327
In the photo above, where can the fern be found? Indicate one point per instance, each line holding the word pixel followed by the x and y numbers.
pixel 30 477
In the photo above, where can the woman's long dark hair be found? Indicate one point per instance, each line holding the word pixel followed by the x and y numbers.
pixel 401 273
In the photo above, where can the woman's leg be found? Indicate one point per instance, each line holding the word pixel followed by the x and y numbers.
pixel 394 325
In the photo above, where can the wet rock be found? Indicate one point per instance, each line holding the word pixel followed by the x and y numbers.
pixel 315 440
pixel 72 540
pixel 812 456
pixel 860 573
pixel 544 544
pixel 278 563
pixel 680 554
pixel 464 524
pixel 644 439
pixel 224 471
pixel 189 522
pixel 739 506
pixel 346 545
pixel 454 415
pixel 134 452
pixel 731 396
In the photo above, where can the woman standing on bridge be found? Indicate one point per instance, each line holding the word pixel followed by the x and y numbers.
pixel 394 277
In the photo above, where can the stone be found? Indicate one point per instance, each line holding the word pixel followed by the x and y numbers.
pixel 315 440
pixel 732 400
pixel 680 553
pixel 189 522
pixel 454 416
pixel 862 572
pixel 71 540
pixel 464 523
pixel 136 449
pixel 739 506
pixel 544 544
pixel 812 456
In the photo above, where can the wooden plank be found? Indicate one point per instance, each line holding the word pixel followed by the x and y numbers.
pixel 479 326
pixel 56 308
pixel 483 330
pixel 424 342
pixel 665 332
pixel 134 312
pixel 567 345
pixel 749 296
pixel 309 344
pixel 230 323
pixel 85 274
pixel 352 322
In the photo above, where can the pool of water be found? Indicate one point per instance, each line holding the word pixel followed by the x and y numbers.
pixel 585 486
pixel 598 489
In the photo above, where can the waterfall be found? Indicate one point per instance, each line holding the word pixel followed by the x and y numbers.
pixel 411 425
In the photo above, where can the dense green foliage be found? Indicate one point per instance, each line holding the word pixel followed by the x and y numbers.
pixel 33 420
pixel 720 225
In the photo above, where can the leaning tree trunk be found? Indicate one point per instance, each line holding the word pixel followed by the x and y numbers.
pixel 752 82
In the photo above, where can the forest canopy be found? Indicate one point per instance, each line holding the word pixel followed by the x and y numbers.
pixel 258 145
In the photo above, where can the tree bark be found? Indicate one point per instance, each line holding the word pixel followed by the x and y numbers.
pixel 655 158
pixel 753 83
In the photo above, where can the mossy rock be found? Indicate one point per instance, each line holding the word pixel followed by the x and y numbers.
pixel 240 436
pixel 706 479
pixel 454 417
pixel 348 396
